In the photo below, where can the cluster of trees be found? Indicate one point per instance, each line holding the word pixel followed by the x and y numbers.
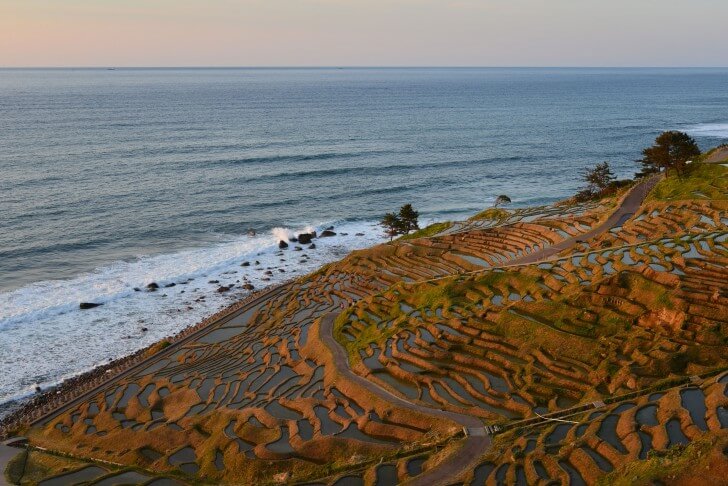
pixel 401 223
pixel 599 181
pixel 671 152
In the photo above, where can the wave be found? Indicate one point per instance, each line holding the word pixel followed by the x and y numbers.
pixel 297 157
pixel 708 130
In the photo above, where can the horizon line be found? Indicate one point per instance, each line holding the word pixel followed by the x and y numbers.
pixel 387 66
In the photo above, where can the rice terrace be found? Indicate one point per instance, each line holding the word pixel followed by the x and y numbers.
pixel 584 342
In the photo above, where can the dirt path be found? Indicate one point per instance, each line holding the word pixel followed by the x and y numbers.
pixel 476 443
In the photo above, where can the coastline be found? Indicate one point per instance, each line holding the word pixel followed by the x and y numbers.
pixel 30 408
pixel 60 340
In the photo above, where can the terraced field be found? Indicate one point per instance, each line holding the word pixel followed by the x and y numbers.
pixel 563 356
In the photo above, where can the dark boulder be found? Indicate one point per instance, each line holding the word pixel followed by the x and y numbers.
pixel 248 286
pixel 144 329
pixel 153 286
pixel 245 264
pixel 293 239
pixel 224 288
pixel 88 305
pixel 312 246
pixel 305 238
pixel 170 285
pixel 213 281
pixel 327 234
pixel 297 248
pixel 359 234
pixel 282 244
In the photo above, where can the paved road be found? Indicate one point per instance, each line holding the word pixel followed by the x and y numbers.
pixel 629 205
pixel 472 448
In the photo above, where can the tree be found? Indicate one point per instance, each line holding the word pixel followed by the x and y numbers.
pixel 598 178
pixel 392 225
pixel 500 200
pixel 671 151
pixel 408 218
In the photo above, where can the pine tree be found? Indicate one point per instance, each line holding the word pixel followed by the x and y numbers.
pixel 671 150
pixel 598 178
pixel 392 225
pixel 500 200
pixel 409 218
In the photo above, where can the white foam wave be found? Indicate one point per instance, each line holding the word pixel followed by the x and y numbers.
pixel 45 337
pixel 714 130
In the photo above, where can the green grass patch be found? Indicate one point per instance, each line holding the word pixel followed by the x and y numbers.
pixel 431 230
pixel 701 182
pixel 496 214
pixel 16 467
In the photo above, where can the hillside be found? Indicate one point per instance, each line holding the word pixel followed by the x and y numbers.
pixel 581 343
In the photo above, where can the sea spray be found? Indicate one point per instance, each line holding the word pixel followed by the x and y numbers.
pixel 282 234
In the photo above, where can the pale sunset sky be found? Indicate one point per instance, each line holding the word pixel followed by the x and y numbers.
pixel 363 33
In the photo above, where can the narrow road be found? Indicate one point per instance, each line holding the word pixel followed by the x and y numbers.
pixel 475 444
pixel 629 205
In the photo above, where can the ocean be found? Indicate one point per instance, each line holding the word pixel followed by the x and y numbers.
pixel 114 178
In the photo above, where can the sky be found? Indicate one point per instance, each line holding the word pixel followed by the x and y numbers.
pixel 363 33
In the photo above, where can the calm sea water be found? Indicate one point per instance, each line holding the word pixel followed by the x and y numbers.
pixel 111 179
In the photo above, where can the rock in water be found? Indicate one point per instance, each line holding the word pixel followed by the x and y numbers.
pixel 88 305
pixel 153 286
pixel 245 264
pixel 282 244
pixel 312 246
pixel 327 233
pixel 305 238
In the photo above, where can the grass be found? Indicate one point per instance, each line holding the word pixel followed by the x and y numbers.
pixel 16 467
pixel 431 230
pixel 701 182
pixel 491 213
